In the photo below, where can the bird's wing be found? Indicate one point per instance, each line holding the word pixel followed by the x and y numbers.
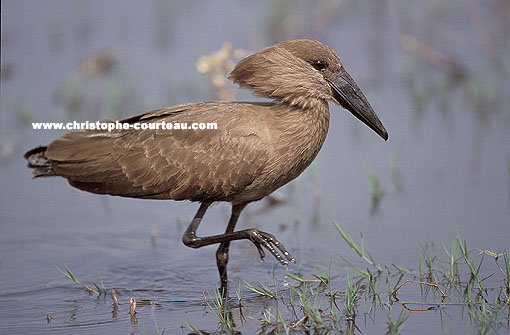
pixel 175 164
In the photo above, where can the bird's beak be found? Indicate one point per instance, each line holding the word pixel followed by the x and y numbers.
pixel 349 96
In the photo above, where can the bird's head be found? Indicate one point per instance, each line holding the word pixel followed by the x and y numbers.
pixel 302 72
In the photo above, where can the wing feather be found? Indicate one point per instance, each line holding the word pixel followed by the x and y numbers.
pixel 166 164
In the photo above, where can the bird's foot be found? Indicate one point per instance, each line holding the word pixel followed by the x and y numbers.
pixel 268 241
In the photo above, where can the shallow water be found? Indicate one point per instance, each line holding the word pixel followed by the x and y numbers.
pixel 452 140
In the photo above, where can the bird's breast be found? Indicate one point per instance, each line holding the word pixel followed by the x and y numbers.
pixel 295 137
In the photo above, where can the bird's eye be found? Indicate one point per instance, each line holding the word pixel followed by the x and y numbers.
pixel 319 65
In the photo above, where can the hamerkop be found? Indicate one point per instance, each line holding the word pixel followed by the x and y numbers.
pixel 256 148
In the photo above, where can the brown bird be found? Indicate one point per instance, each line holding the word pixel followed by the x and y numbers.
pixel 256 148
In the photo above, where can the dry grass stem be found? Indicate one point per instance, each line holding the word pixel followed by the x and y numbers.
pixel 114 298
pixel 404 304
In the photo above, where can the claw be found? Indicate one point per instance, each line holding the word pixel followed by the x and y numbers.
pixel 269 242
pixel 262 254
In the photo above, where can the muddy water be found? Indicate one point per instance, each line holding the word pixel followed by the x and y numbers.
pixel 451 138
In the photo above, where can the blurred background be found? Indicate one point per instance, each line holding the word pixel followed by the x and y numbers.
pixel 436 72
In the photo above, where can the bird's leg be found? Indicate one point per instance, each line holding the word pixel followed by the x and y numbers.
pixel 257 237
pixel 222 252
pixel 190 235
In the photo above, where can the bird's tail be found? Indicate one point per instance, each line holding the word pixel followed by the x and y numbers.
pixel 41 166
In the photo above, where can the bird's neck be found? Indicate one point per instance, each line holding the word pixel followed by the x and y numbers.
pixel 302 134
pixel 306 124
